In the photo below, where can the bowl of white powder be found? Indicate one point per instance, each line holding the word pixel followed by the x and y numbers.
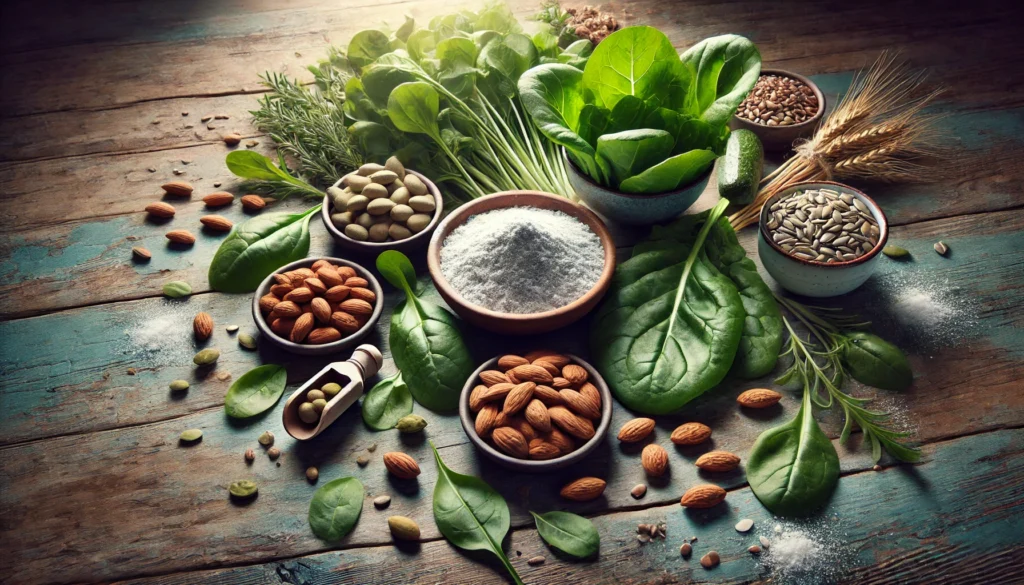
pixel 521 262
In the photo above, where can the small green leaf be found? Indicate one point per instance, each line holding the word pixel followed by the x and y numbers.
pixel 874 361
pixel 249 164
pixel 569 533
pixel 386 403
pixel 255 391
pixel 177 289
pixel 413 107
pixel 335 508
pixel 366 46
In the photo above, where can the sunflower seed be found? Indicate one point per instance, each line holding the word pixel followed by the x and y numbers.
pixel 822 225
pixel 941 248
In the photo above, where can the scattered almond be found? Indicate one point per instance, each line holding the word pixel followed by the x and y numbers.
pixel 177 188
pixel 702 496
pixel 583 489
pixel 401 465
pixel 181 237
pixel 232 139
pixel 253 202
pixel 141 253
pixel 160 209
pixel 718 461
pixel 636 430
pixel 691 433
pixel 759 398
pixel 216 223
pixel 202 326
pixel 218 199
pixel 654 460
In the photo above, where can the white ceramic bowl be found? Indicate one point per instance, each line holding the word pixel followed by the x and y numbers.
pixel 818 279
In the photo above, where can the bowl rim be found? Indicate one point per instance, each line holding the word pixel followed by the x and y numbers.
pixel 466 211
pixel 586 178
pixel 287 344
pixel 808 122
pixel 876 211
pixel 468 419
pixel 325 216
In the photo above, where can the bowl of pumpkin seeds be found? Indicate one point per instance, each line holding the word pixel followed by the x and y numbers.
pixel 821 239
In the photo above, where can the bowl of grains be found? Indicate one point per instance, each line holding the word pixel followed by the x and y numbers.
pixel 536 412
pixel 521 262
pixel 317 306
pixel 382 207
pixel 821 239
pixel 782 107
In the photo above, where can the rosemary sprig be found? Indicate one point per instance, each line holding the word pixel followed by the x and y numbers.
pixel 817 364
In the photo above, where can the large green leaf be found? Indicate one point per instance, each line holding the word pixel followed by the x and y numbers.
pixel 725 69
pixel 366 46
pixel 335 508
pixel 636 61
pixel 671 173
pixel 568 532
pixel 413 107
pixel 631 152
pixel 387 402
pixel 258 247
pixel 255 391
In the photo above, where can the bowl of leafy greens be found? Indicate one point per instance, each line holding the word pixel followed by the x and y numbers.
pixel 640 125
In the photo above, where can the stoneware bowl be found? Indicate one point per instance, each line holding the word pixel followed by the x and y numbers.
pixel 781 138
pixel 631 208
pixel 512 323
pixel 327 348
pixel 469 424
pixel 818 279
pixel 413 242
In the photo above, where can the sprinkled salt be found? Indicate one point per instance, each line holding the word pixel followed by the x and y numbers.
pixel 522 260
pixel 805 553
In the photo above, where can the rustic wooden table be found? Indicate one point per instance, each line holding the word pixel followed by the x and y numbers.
pixel 102 101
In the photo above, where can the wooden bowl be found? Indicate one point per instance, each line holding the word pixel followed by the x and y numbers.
pixel 781 138
pixel 407 245
pixel 515 323
pixel 468 418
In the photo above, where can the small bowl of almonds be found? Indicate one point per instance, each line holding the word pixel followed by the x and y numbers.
pixel 317 306
pixel 782 107
pixel 382 207
pixel 536 412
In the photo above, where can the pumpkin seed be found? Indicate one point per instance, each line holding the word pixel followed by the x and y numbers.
pixel 206 357
pixel 179 385
pixel 190 436
pixel 895 251
pixel 247 341
pixel 242 489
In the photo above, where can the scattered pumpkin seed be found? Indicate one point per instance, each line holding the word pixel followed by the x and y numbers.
pixel 895 251
pixel 177 289
pixel 638 491
pixel 242 489
pixel 247 341
pixel 412 423
pixel 179 385
pixel 382 502
pixel 191 436
pixel 266 439
pixel 206 357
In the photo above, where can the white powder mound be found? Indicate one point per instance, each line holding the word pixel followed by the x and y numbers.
pixel 806 553
pixel 929 310
pixel 522 260
pixel 157 336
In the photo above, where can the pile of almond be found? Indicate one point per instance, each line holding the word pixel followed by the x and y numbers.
pixel 537 406
pixel 318 305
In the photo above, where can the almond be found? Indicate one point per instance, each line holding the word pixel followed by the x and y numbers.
pixel 518 398
pixel 202 326
pixel 361 293
pixel 476 397
pixel 578 404
pixel 559 439
pixel 344 322
pixel 301 274
pixel 319 264
pixel 511 442
pixel 525 428
pixel 537 354
pixel 345 272
pixel 336 293
pixel 691 433
pixel 498 391
pixel 356 307
pixel 160 209
pixel 321 309
pixel 486 420
pixel 574 374
pixel 232 139
pixel 501 420
pixel 654 459
pixel 555 359
pixel 759 398
pixel 322 335
pixel 559 382
pixel 511 375
pixel 216 223
pixel 141 253
pixel 718 461
pixel 636 430
pixel 703 496
pixel 282 326
pixel 401 465
pixel 282 279
pixel 286 309
pixel 355 281
pixel 577 426
pixel 315 285
pixel 178 188
pixel 548 395
pixel 548 366
pixel 181 237
pixel 268 302
pixel 253 202
pixel 532 373
pixel 507 362
pixel 280 290
pixel 299 295
pixel 537 415
pixel 218 199
pixel 591 393
pixel 492 377
pixel 329 276
pixel 542 450
pixel 583 489
pixel 303 325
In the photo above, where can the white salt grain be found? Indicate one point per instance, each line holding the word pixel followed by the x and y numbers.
pixel 522 260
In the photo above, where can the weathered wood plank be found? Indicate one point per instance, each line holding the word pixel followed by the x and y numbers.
pixel 925 524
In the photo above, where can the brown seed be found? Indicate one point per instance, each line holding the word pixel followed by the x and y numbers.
pixel 363 294
pixel 355 281
pixel 519 423
pixel 356 307
pixel 160 209
pixel 574 374
pixel 591 393
pixel 654 460
pixel 532 373
pixel 638 491
pixel 549 396
pixel 299 295
pixel 345 322
pixel 636 430
pixel 577 426
pixel 756 550
pixel 232 139
pixel 216 223
pixel 218 199
pixel 498 391
pixel 534 561
pixel 336 293
pixel 557 360
pixel 518 398
pixel 286 309
pixel 202 326
pixel 347 272
pixel 718 461
pixel 559 382
pixel 253 202
pixel 578 404
pixel 141 253
pixel 322 335
pixel 686 550
pixel 273 453
pixel 537 415
pixel 250 455
pixel 507 362
pixel 178 188
pixel 492 377
pixel 303 325
pixel 759 398
pixel 282 326
pixel 476 397
pixel 583 489
pixel 703 496
pixel 543 450
pixel 315 285
pixel 710 560
pixel 401 465
pixel 321 309
pixel 511 442
pixel 181 237
pixel 312 473
pixel 551 369
pixel 329 276
pixel 486 420
pixel 280 290
pixel 691 433
pixel 559 439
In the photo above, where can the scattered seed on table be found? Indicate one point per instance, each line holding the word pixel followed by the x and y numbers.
pixel 638 491
pixel 744 525
pixel 231 328
pixel 273 453
pixel 362 460
pixel 151 169
pixel 876 467
pixel 765 543
pixel 941 248
pixel 205 118
pixel 643 538
pixel 686 550
pixel 710 560
pixel 250 455
pixel 382 502
pixel 178 172
pixel 372 448
pixel 217 184
pixel 141 253
pixel 223 376
pixel 534 561
pixel 754 550
pixel 312 473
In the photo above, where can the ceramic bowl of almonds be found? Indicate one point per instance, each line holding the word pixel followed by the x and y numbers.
pixel 382 207
pixel 821 239
pixel 536 412
pixel 782 107
pixel 317 306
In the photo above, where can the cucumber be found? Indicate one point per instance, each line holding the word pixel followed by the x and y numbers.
pixel 739 169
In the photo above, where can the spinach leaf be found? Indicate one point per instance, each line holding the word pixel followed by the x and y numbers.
pixel 725 69
pixel 425 340
pixel 335 508
pixel 388 401
pixel 413 107
pixel 569 533
pixel 874 361
pixel 669 327
pixel 470 514
pixel 636 61
pixel 670 173
pixel 258 247
pixel 629 153
pixel 793 468
pixel 366 46
pixel 255 391
pixel 553 95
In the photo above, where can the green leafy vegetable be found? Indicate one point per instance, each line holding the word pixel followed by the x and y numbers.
pixel 258 247
pixel 874 361
pixel 637 61
pixel 335 508
pixel 387 402
pixel 248 164
pixel 470 514
pixel 255 391
pixel 425 340
pixel 569 533
pixel 725 68
pixel 793 468
pixel 670 325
